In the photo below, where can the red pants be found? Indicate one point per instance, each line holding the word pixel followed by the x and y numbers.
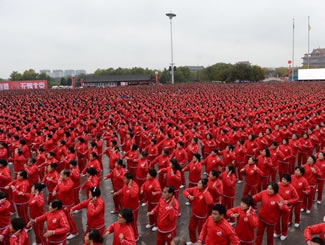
pixel 250 189
pixel 320 188
pixel 228 203
pixel 274 171
pixel 162 238
pixel 162 180
pixel 239 166
pixel 284 220
pixel 135 223
pixel 117 203
pixel 183 178
pixel 73 227
pixel 6 239
pixel 81 164
pixel 195 224
pixel 56 242
pixel 260 233
pixel 132 170
pixel 292 165
pixel 296 209
pixel 76 195
pixel 302 158
pixel 22 210
pixel 309 199
pixel 39 231
pixel 283 168
pixel 50 197
pixel 152 218
pixel 263 182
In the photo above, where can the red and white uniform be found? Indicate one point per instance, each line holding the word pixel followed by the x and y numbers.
pixel 195 170
pixel 312 230
pixel 51 180
pixel 36 209
pixel 116 176
pixel 215 188
pixel 126 230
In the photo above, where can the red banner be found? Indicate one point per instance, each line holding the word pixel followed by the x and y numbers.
pixel 32 84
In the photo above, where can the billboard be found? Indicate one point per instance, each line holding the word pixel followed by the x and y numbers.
pixel 311 74
pixel 32 84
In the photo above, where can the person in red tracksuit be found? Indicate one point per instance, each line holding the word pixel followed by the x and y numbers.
pixel 295 145
pixel 95 210
pixel 93 237
pixel 93 163
pixel 305 150
pixel 240 154
pixel 302 187
pixel 64 192
pixel 5 208
pixel 51 180
pixel 195 170
pixel 129 196
pixel 20 189
pixel 75 176
pixel 192 148
pixel 320 163
pixel 117 176
pixel 163 161
pixel 311 174
pixel 3 151
pixel 264 163
pixel 152 191
pixel 167 212
pixel 36 209
pixel 32 171
pixel 246 220
pixel 215 187
pixel 5 177
pixel 57 224
pixel 272 204
pixel 250 146
pixel 17 233
pixel 122 229
pixel 173 175
pixel 131 157
pixel 253 174
pixel 212 161
pixel 142 169
pixel 181 156
pixel 82 149
pixel 91 181
pixel 152 150
pixel 208 144
pixel 19 161
pixel 228 178
pixel 290 197
pixel 284 164
pixel 216 229
pixel 310 231
pixel 201 201
pixel 276 156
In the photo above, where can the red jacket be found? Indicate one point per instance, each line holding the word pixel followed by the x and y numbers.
pixel 320 164
pixel 246 223
pixel 265 165
pixel 20 239
pixel 51 180
pixel 270 209
pixel 130 196
pixel 93 164
pixel 36 205
pixel 215 188
pixel 142 169
pixel 195 170
pixel 229 184
pixel 220 233
pixel 91 181
pixel 201 203
pixel 252 174
pixel 95 212
pixel 152 190
pixel 312 230
pixel 309 175
pixel 116 175
pixel 167 214
pixel 75 176
pixel 21 186
pixel 56 221
pixel 5 177
pixel 288 193
pixel 126 230
pixel 301 185
pixel 4 153
pixel 65 192
pixel 172 179
pixel 212 162
pixel 5 214
pixel 180 155
pixel 33 174
pixel 162 161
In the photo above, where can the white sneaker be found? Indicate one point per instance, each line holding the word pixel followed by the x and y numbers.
pixel 144 204
pixel 34 243
pixel 319 202
pixel 301 210
pixel 276 235
pixel 283 238
pixel 308 212
pixel 182 186
pixel 71 236
pixel 239 181
pixel 189 243
pixel 10 163
pixel 180 214
pixel 148 226
pixel 297 225
pixel 188 204
pixel 77 211
pixel 231 223
pixel 113 212
pixel 155 228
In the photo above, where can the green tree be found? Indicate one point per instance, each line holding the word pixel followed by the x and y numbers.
pixel 29 75
pixel 15 76
pixel 281 71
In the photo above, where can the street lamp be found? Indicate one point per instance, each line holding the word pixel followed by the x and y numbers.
pixel 171 16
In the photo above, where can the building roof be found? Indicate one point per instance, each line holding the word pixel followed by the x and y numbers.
pixel 118 78
pixel 319 51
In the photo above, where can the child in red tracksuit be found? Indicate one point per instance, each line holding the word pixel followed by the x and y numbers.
pixel 116 176
pixel 272 204
pixel 240 154
pixel 216 229
pixel 36 209
pixel 302 187
pixel 201 201
pixel 57 224
pixel 246 220
pixel 152 191
pixel 290 197
pixel 95 210
pixel 195 170
pixel 252 173
pixel 311 174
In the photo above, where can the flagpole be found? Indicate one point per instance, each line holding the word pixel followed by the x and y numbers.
pixel 308 39
pixel 293 49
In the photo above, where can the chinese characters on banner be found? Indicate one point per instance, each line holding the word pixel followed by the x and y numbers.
pixel 35 84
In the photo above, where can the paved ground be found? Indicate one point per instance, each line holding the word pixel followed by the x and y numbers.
pixel 147 237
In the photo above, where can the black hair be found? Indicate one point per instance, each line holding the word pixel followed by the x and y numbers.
pixel 81 140
pixel 220 208
pixel 56 204
pixel 95 191
pixel 32 160
pixel 152 172
pixel 204 182
pixel 197 156
pixel 215 173
pixel 274 143
pixel 17 224
pixel 3 195
pixel 71 149
pixel 248 200
pixel 3 162
pixel 287 177
pixel 134 147
pixel 166 151
pixel 94 154
pixel 120 162
pixel 23 174
pixel 318 240
pixel 93 144
pixel 22 142
pixel 94 235
pixel 91 171
pixel 39 186
pixel 53 165
pixel 231 168
pixel 267 152
pixel 66 172
pixel 170 189
pixel 73 163
pixel 274 186
pixel 302 170
pixel 127 214
pixel 215 150
pixel 128 175
pixel 313 157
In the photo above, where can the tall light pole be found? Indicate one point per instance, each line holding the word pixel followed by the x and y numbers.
pixel 171 16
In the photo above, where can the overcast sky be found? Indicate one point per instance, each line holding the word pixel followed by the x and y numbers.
pixel 91 34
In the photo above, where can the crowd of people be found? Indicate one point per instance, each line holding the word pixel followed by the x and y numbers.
pixel 199 141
